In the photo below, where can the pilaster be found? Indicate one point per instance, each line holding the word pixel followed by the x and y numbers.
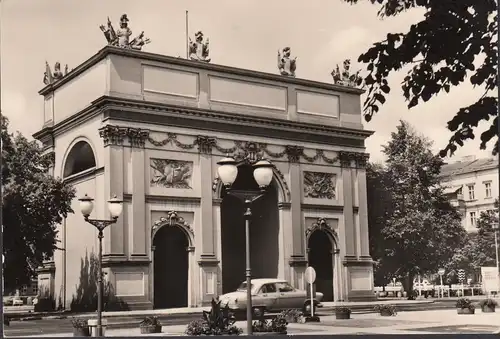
pixel 347 227
pixel 138 230
pixel 296 191
pixel 363 207
pixel 113 138
pixel 207 235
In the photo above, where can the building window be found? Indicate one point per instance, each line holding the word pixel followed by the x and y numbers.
pixel 35 289
pixel 460 190
pixel 471 192
pixel 24 290
pixel 473 219
pixel 487 189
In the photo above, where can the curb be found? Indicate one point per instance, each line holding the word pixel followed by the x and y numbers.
pixel 365 309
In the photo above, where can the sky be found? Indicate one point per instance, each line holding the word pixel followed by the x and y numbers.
pixel 242 33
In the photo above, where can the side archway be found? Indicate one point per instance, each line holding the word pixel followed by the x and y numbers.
pixel 321 250
pixel 172 240
pixel 79 158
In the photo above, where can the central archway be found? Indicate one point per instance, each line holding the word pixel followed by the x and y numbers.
pixel 171 266
pixel 264 233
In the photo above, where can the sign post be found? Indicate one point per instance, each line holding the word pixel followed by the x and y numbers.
pixel 441 272
pixel 310 279
pixel 461 278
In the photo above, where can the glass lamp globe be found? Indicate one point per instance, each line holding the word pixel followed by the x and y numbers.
pixel 115 207
pixel 263 173
pixel 227 170
pixel 86 205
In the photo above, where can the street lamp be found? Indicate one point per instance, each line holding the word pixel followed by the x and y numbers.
pixel 263 174
pixel 495 231
pixel 115 207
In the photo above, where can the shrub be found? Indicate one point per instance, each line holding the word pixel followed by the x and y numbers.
pixel 150 321
pixel 488 303
pixel 276 325
pixel 217 321
pixel 465 303
pixel 342 309
pixel 292 315
pixel 79 323
pixel 389 309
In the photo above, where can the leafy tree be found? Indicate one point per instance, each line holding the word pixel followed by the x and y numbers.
pixel 33 203
pixel 455 40
pixel 378 195
pixel 479 249
pixel 418 228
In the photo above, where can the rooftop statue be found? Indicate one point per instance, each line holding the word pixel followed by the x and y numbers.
pixel 199 50
pixel 345 78
pixel 287 65
pixel 121 37
pixel 50 77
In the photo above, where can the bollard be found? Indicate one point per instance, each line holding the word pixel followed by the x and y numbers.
pixel 93 327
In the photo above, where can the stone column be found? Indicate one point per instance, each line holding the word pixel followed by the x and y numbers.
pixel 336 285
pixel 285 217
pixel 347 228
pixel 296 192
pixel 363 207
pixel 205 145
pixel 138 230
pixel 113 136
pixel 297 260
pixel 208 259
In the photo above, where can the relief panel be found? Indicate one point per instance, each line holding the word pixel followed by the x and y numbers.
pixel 319 185
pixel 168 173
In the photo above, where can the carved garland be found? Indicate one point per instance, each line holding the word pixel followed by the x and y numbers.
pixel 242 150
pixel 245 151
pixel 320 225
pixel 172 219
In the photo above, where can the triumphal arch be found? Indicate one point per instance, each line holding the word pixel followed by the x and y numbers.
pixel 150 128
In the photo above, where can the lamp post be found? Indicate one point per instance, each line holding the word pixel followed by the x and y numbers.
pixel 115 209
pixel 495 231
pixel 263 174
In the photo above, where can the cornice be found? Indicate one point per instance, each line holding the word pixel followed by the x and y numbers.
pixel 134 54
pixel 124 109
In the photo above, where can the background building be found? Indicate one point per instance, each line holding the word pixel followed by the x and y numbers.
pixel 151 128
pixel 472 185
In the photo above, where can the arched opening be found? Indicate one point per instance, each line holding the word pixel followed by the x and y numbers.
pixel 320 256
pixel 80 158
pixel 264 231
pixel 171 265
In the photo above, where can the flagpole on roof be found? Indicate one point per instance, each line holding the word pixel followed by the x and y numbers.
pixel 187 36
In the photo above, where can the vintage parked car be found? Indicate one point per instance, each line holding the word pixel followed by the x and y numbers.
pixel 269 295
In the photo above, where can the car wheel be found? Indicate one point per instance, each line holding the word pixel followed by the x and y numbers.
pixel 258 312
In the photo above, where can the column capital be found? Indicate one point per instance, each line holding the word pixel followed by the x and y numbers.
pixel 205 144
pixel 137 137
pixel 294 153
pixel 112 135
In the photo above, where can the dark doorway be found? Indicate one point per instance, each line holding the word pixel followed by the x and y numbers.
pixel 264 232
pixel 320 257
pixel 170 268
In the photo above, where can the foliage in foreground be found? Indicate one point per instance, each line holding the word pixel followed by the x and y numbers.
pixel 33 204
pixel 454 42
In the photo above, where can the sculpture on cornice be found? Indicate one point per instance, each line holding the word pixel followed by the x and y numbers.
pixel 345 78
pixel 286 64
pixel 121 37
pixel 50 77
pixel 199 50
